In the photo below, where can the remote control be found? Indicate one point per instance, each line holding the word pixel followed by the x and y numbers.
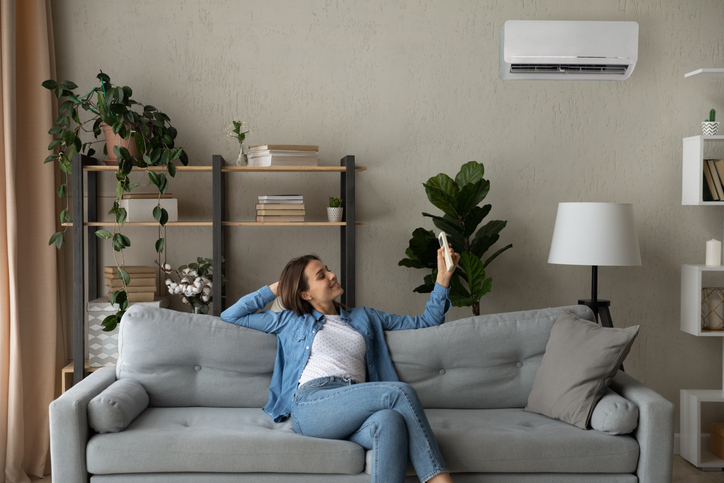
pixel 442 238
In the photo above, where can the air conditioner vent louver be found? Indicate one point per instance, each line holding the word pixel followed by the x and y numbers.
pixel 568 68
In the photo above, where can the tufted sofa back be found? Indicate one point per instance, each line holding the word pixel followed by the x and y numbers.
pixel 184 359
pixel 482 362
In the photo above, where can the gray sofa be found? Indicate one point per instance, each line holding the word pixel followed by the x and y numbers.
pixel 207 380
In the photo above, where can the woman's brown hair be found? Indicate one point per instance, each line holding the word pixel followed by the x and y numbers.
pixel 293 282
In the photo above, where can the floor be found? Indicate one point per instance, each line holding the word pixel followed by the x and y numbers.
pixel 684 472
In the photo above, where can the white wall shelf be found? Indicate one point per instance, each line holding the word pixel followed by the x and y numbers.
pixel 692 172
pixel 706 72
pixel 692 447
pixel 691 285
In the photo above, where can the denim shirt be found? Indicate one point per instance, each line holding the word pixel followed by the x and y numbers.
pixel 295 336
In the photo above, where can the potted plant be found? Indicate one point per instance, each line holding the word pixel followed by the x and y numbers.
pixel 141 126
pixel 710 127
pixel 238 131
pixel 459 200
pixel 334 210
pixel 194 283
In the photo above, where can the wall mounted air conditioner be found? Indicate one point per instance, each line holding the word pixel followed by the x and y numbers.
pixel 568 50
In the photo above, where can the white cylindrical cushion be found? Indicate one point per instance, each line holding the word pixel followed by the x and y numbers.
pixel 117 406
pixel 614 414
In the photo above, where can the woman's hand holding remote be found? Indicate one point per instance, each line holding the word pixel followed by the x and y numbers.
pixel 443 276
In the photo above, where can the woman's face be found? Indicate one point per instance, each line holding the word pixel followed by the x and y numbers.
pixel 323 285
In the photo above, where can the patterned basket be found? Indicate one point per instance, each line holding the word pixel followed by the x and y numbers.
pixel 712 308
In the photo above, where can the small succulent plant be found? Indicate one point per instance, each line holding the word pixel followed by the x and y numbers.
pixel 334 202
pixel 712 116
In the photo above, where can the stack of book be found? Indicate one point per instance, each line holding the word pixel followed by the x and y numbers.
pixel 280 208
pixel 713 180
pixel 142 287
pixel 283 155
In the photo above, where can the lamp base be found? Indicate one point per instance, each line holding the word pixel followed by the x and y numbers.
pixel 600 308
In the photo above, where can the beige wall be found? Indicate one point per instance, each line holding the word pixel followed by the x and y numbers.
pixel 412 89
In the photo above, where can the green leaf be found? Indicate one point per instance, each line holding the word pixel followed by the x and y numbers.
pixel 51 158
pixel 159 245
pixel 442 192
pixel 473 219
pixel 123 275
pixel 50 84
pixel 58 92
pixel 54 143
pixel 423 248
pixel 110 323
pixel 119 190
pixel 140 143
pixel 105 234
pixel 474 272
pixel 54 239
pixel 66 84
pixel 61 191
pixel 471 195
pixel 486 237
pixel 157 211
pixel 494 255
pixel 171 169
pixel 126 240
pixel 121 215
pixel 448 225
pixel 184 158
pixel 470 172
pixel 153 177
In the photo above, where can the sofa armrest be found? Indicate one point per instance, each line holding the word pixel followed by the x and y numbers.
pixel 69 431
pixel 655 431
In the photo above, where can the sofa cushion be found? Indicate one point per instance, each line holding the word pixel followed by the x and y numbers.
pixel 194 360
pixel 580 360
pixel 515 441
pixel 119 404
pixel 487 361
pixel 614 414
pixel 220 440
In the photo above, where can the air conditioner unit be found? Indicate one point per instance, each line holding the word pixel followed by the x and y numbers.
pixel 568 50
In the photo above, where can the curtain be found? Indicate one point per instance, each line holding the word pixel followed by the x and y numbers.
pixel 31 335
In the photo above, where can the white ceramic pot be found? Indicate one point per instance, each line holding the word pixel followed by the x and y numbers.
pixel 334 215
pixel 709 128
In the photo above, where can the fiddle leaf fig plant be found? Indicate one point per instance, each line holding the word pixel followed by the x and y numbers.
pixel 141 126
pixel 458 199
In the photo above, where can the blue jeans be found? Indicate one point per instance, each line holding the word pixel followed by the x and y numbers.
pixel 385 417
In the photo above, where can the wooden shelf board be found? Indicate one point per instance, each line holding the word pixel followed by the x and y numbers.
pixel 225 223
pixel 706 72
pixel 235 169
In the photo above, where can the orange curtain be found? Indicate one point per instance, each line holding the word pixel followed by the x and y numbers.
pixel 31 346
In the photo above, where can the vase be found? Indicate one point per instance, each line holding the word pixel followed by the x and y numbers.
pixel 334 214
pixel 113 139
pixel 241 158
pixel 709 128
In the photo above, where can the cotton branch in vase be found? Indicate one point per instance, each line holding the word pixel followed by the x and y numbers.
pixel 194 283
pixel 238 131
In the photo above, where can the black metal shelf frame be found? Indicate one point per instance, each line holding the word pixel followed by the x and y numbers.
pixel 85 241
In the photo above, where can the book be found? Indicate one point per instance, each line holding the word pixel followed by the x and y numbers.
pixel 144 196
pixel 278 159
pixel 283 147
pixel 131 269
pixel 279 218
pixel 138 297
pixel 270 205
pixel 134 282
pixel 281 198
pixel 716 177
pixel 709 184
pixel 281 212
pixel 136 289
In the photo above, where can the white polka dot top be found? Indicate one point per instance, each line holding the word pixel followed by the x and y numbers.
pixel 337 350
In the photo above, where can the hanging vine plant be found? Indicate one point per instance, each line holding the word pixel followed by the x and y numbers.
pixel 140 126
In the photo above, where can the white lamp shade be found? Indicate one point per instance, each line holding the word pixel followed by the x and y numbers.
pixel 601 234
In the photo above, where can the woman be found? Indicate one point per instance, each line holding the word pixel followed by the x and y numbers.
pixel 333 374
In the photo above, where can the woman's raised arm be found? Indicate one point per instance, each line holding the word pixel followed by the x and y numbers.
pixel 245 312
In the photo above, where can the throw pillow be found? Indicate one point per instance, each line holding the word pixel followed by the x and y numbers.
pixel 117 406
pixel 580 360
pixel 615 414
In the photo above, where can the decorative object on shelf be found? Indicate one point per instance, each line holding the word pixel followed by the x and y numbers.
pixel 334 210
pixel 712 308
pixel 103 345
pixel 152 135
pixel 716 439
pixel 141 210
pixel 238 131
pixel 194 283
pixel 713 253
pixel 273 208
pixel 595 234
pixel 284 155
pixel 459 200
pixel 140 288
pixel 710 127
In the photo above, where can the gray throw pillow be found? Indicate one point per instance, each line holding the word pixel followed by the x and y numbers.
pixel 615 414
pixel 580 360
pixel 117 406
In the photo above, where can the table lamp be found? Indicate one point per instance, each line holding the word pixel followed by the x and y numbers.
pixel 595 234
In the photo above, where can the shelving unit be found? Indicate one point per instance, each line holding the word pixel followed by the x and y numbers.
pixel 85 184
pixel 692 183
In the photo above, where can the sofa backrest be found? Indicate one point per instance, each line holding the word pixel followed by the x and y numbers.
pixel 185 359
pixel 182 359
pixel 481 362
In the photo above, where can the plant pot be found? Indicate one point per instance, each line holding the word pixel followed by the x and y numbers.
pixel 334 215
pixel 709 128
pixel 113 139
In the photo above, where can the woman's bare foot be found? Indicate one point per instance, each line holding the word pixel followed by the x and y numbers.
pixel 441 478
